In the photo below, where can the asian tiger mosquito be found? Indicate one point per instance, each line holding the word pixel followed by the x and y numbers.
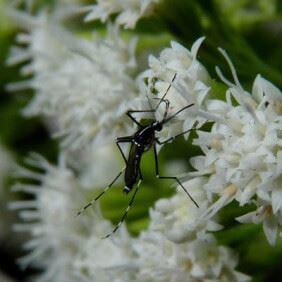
pixel 143 140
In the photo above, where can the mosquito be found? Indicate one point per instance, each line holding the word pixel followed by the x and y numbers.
pixel 142 141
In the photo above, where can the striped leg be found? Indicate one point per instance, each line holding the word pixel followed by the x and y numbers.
pixel 171 177
pixel 100 195
pixel 174 137
pixel 126 211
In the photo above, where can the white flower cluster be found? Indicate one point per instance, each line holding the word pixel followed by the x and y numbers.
pixel 74 84
pixel 63 245
pixel 183 80
pixel 163 260
pixel 242 152
pixel 48 216
pixel 71 249
pixel 86 97
pixel 84 87
pixel 178 217
pixel 129 11
pixel 177 246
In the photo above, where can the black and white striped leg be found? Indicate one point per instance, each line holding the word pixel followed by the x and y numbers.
pixel 126 139
pixel 174 137
pixel 100 195
pixel 163 97
pixel 170 177
pixel 126 211
pixel 166 101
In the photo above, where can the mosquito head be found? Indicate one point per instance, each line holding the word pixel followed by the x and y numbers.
pixel 158 125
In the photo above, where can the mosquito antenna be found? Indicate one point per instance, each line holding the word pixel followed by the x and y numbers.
pixel 162 99
pixel 166 101
pixel 178 112
pixel 149 102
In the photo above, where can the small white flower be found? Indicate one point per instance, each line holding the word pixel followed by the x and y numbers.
pixel 129 11
pixel 264 214
pixel 178 218
pixel 105 260
pixel 198 260
pixel 243 149
pixel 178 73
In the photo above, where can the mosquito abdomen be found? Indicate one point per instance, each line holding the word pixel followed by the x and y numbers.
pixel 132 168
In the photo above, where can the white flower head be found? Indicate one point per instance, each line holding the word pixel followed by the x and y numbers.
pixel 75 85
pixel 37 45
pixel 178 218
pixel 68 248
pixel 243 149
pixel 180 78
pixel 198 260
pixel 109 259
pixel 96 166
pixel 49 218
pixel 129 11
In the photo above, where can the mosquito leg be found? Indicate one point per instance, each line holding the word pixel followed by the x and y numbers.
pixel 126 139
pixel 129 114
pixel 166 101
pixel 170 177
pixel 166 108
pixel 162 99
pixel 173 137
pixel 126 211
pixel 100 195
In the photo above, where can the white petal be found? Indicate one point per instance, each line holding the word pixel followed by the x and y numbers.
pixel 276 200
pixel 240 277
pixel 196 46
pixel 265 90
pixel 270 229
pixel 248 218
pixel 198 163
